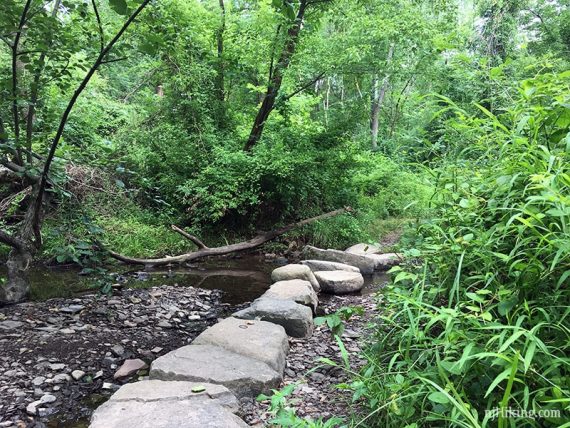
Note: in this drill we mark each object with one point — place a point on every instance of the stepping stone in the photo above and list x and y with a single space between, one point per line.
364 263
364 249
158 404
244 376
320 265
386 261
261 340
297 320
340 282
296 290
294 271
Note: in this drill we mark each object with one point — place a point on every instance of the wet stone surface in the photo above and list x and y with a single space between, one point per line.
60 357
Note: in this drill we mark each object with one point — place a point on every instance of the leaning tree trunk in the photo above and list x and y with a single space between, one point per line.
276 79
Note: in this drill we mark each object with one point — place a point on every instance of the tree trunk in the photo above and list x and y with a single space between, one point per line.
276 78
25 247
378 94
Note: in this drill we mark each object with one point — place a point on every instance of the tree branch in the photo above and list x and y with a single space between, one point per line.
301 89
192 238
11 241
15 46
100 25
226 249
67 112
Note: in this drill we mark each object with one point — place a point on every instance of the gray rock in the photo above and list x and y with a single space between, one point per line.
261 340
244 376
164 414
72 309
340 282
364 249
118 350
37 381
364 263
386 261
129 367
77 374
294 271
56 366
158 390
296 290
32 408
297 320
61 378
320 265
10 325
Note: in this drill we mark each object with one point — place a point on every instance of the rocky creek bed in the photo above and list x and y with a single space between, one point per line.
317 395
65 352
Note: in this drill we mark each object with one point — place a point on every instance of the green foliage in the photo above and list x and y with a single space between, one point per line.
483 323
285 416
336 320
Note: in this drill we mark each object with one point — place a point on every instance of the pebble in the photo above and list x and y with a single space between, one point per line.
77 374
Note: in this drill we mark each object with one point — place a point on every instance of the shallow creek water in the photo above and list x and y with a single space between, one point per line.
241 279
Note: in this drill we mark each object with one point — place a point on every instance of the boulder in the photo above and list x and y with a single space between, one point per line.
297 320
386 261
244 376
320 265
364 263
340 282
154 403
364 249
261 340
294 271
296 290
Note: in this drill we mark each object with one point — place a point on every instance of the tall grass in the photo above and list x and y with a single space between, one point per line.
478 335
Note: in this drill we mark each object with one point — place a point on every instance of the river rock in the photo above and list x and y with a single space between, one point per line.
296 319
364 249
154 403
320 265
244 376
295 271
296 290
129 367
261 340
340 282
386 261
10 325
364 263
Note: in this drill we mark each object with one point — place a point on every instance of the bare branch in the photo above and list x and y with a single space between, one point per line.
67 112
100 25
192 238
11 241
302 88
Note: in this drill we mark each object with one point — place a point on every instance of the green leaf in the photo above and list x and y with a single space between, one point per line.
119 6
438 397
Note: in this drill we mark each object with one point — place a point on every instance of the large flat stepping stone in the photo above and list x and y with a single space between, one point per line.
364 249
340 282
242 375
296 290
296 319
386 261
261 340
320 265
295 271
158 404
365 264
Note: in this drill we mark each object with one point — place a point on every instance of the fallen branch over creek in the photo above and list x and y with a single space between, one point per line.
204 251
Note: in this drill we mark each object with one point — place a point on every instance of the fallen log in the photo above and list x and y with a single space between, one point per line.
204 251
